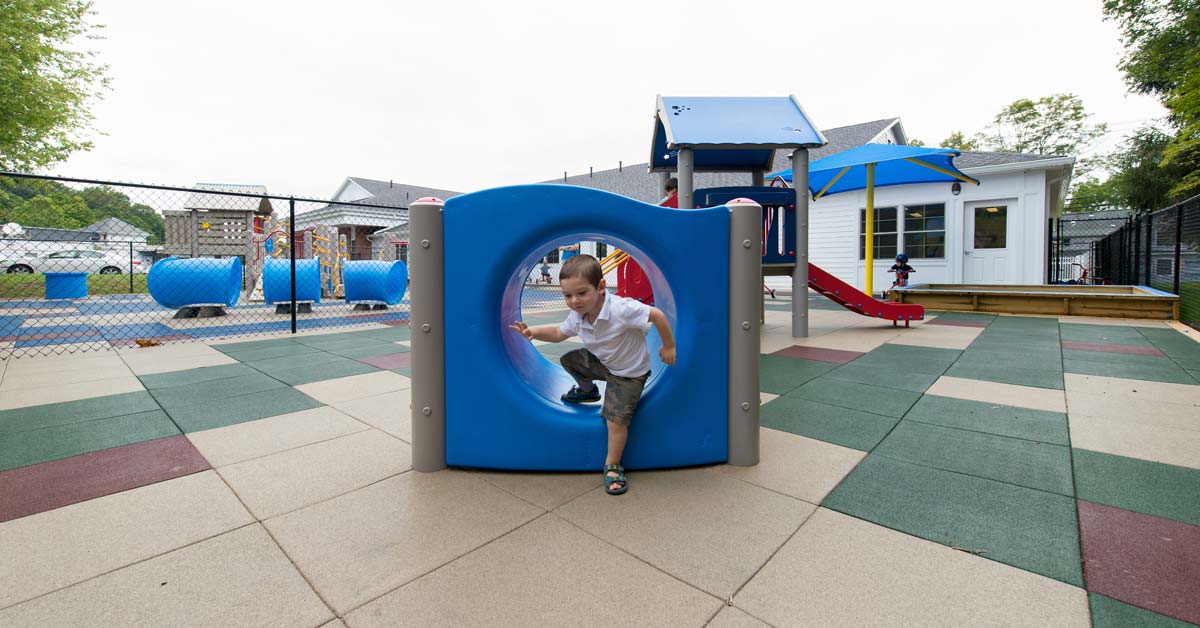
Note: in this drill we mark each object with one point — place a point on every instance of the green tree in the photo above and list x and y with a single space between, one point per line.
1051 125
46 86
1162 59
958 141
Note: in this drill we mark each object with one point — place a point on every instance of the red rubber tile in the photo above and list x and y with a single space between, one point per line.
37 488
835 356
390 361
1146 561
1128 349
403 323
938 321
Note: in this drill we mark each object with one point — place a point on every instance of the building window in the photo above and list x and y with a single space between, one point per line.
925 230
601 250
552 257
885 233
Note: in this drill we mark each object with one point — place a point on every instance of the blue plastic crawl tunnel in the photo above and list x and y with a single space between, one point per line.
277 285
177 282
373 281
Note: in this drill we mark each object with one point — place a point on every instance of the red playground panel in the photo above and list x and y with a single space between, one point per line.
860 302
633 283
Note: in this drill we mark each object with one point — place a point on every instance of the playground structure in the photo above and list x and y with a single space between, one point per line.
513 418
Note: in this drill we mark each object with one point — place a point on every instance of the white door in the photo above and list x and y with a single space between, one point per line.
985 244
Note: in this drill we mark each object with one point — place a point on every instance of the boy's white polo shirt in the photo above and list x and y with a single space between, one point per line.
618 337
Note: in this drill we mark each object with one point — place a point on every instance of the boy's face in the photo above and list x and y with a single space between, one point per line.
582 296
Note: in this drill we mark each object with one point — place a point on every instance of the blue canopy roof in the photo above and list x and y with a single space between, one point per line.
895 165
730 134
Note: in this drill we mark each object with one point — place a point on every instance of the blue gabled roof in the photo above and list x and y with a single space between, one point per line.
729 134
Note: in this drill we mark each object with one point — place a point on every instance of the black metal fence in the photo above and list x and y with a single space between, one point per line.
1159 249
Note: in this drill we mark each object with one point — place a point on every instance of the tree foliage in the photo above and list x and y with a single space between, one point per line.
46 86
958 141
1162 59
40 203
1051 125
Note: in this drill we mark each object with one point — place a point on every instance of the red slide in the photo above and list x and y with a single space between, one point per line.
858 301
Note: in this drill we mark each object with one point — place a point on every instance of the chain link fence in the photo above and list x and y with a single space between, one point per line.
119 264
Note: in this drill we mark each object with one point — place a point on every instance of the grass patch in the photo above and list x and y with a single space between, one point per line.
33 286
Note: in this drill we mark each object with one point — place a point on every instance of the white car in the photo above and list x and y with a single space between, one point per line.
71 261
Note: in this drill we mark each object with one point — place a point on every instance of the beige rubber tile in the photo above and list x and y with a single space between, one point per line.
333 391
864 339
1187 332
1134 408
734 617
1132 389
1136 439
177 349
801 467
101 362
295 478
940 336
21 381
363 544
254 439
1000 394
26 397
337 623
390 412
841 571
57 548
187 356
544 490
766 397
548 573
237 579
700 525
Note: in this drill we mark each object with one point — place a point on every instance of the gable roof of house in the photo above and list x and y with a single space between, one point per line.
398 194
116 226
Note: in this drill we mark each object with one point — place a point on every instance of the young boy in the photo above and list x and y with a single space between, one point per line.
545 271
613 330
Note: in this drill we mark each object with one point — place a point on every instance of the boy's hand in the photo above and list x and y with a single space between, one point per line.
523 329
667 355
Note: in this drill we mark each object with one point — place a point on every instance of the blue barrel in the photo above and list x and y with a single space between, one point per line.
175 282
277 285
369 281
66 285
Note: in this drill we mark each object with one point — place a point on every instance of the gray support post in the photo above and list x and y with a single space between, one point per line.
687 189
195 233
800 272
663 177
426 319
756 178
745 281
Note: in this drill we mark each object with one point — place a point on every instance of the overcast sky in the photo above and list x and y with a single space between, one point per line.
468 95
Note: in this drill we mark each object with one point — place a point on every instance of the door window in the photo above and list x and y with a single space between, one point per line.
991 227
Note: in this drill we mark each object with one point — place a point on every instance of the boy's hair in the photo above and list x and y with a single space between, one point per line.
672 184
583 267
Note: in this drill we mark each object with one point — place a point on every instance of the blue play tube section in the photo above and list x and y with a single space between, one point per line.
176 282
277 284
373 281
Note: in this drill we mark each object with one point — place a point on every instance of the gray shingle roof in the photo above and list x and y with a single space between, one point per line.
116 226
398 194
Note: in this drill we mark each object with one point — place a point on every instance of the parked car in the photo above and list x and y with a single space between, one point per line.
71 261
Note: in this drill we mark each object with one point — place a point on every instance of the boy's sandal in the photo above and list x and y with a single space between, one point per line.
619 479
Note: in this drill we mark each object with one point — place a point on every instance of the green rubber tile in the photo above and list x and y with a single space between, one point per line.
1032 355
1027 322
1035 425
862 397
51 414
195 376
254 345
265 353
1167 372
779 375
232 410
1195 374
336 341
402 332
1105 357
1010 360
1035 339
1152 488
840 426
969 317
313 358
881 376
1191 363
1028 529
1042 349
342 367
404 370
558 348
1110 613
906 359
1171 342
1009 375
1101 334
203 392
63 441
372 351
1017 461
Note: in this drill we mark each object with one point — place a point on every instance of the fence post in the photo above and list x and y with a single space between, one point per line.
1149 245
1178 243
1050 250
292 254
131 267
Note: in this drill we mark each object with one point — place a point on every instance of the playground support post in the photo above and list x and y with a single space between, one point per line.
800 272
869 232
292 256
427 321
687 189
745 278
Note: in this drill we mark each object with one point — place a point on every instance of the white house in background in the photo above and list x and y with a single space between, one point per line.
117 230
993 233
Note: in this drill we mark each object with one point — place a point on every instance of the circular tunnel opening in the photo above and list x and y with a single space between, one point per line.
539 368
